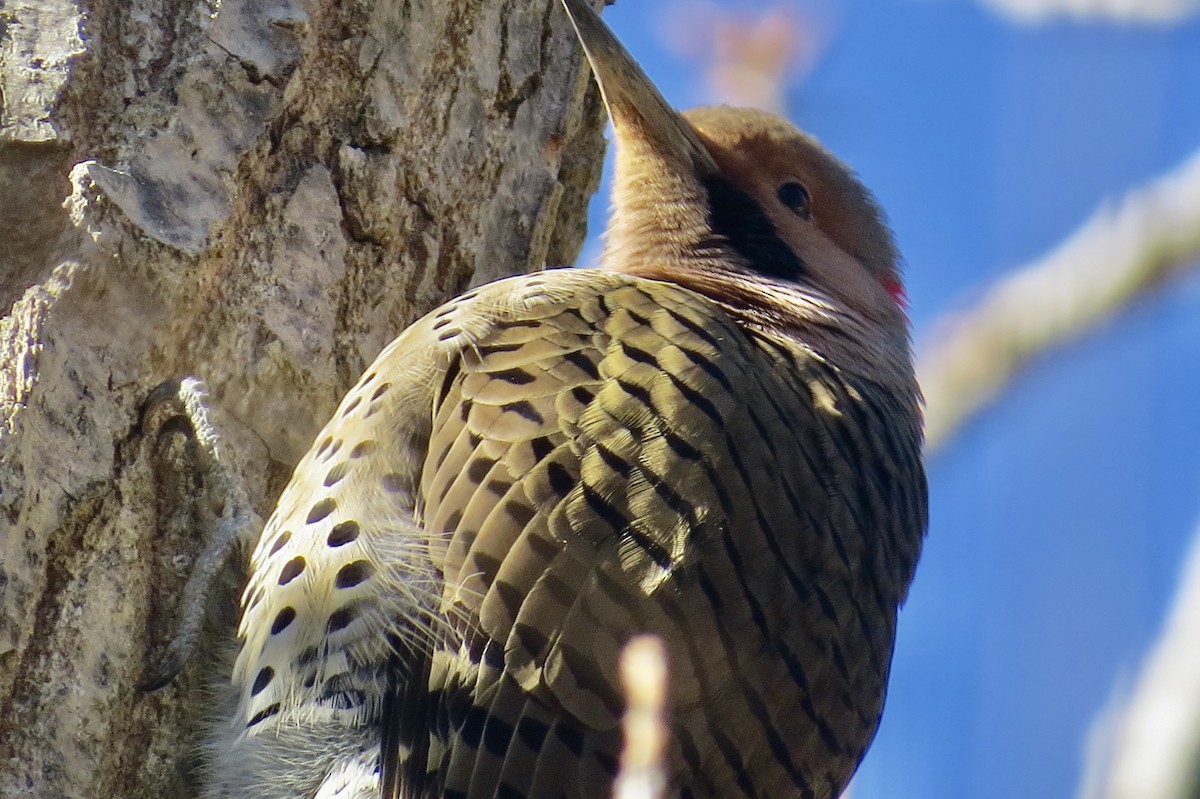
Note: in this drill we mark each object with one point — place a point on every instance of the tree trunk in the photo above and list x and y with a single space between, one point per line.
260 193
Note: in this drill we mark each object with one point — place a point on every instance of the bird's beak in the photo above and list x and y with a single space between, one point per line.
635 106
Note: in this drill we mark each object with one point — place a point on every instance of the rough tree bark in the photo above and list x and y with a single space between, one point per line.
260 193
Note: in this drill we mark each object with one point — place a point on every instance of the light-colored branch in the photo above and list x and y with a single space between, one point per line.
644 678
1154 12
1149 744
1121 252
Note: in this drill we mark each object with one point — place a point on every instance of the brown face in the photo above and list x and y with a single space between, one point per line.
816 206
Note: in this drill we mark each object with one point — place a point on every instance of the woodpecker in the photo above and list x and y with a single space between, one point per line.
713 437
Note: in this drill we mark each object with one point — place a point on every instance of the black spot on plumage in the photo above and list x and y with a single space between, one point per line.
496 736
491 349
291 570
264 714
394 483
681 448
519 512
614 461
280 541
506 791
604 509
639 393
524 409
282 620
695 329
452 373
583 395
515 376
498 487
636 354
571 737
733 757
532 639
353 574
472 726
697 399
362 448
583 363
265 675
321 509
839 661
561 481
493 655
742 224
650 547
478 470
560 590
337 473
532 732
343 533
637 317
710 368
541 447
343 699
487 567
543 548
510 595
340 619
826 604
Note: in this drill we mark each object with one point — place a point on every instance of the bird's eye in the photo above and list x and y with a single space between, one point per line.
795 196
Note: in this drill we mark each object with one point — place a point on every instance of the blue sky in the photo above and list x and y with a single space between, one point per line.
1061 516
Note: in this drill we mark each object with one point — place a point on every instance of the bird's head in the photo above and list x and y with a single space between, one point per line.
739 204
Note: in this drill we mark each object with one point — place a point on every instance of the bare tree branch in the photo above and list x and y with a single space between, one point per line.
644 677
1149 743
1157 12
1119 254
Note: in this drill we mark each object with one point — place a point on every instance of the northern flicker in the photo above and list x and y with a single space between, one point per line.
713 437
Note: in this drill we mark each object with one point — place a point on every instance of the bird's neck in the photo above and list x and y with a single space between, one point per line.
793 314
661 228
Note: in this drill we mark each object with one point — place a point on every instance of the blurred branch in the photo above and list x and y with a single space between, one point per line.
644 678
1119 254
750 57
1149 745
1033 12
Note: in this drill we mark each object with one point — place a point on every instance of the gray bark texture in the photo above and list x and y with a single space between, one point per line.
259 193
